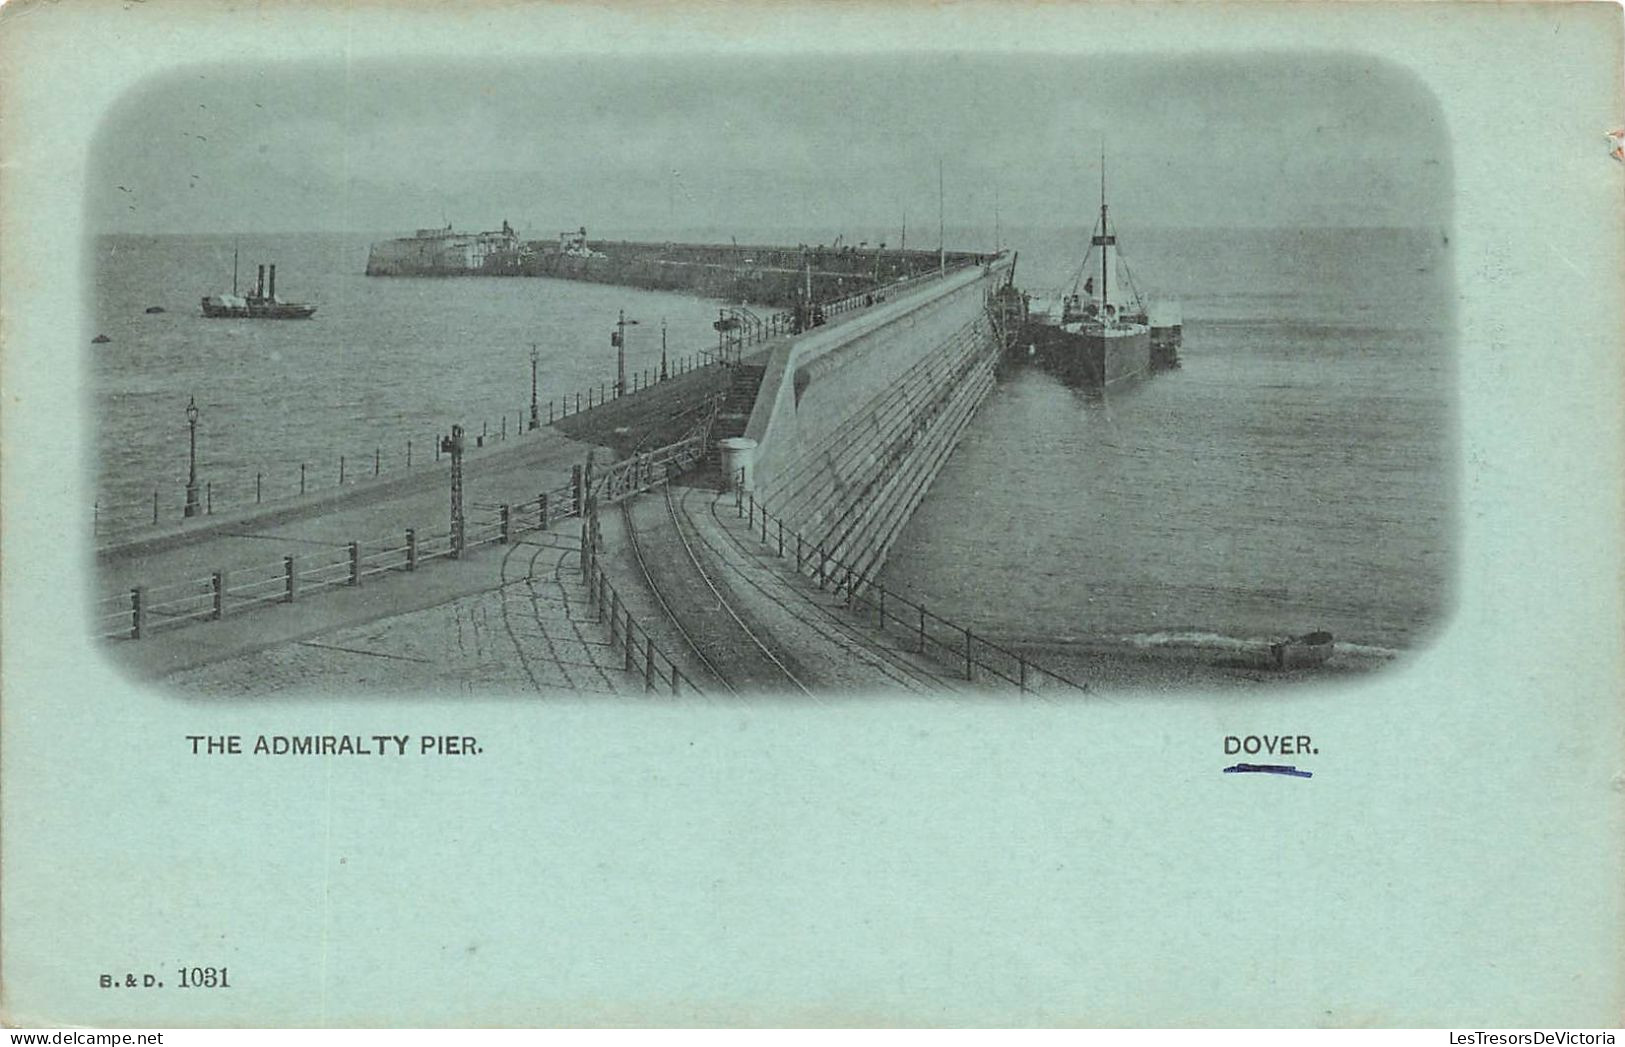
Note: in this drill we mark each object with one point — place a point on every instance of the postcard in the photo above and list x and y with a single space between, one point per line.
806 515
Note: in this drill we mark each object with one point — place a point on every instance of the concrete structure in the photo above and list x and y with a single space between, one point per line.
852 422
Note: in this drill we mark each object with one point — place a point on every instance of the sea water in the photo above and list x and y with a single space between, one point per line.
384 361
1296 473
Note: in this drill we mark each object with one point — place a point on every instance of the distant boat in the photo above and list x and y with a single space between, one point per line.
1302 652
263 304
154 309
100 339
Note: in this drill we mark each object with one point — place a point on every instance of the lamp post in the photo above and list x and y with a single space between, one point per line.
534 414
618 339
191 458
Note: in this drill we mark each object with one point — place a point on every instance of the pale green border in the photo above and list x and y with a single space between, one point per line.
1455 860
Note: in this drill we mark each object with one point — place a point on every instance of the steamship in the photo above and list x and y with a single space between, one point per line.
1099 333
263 304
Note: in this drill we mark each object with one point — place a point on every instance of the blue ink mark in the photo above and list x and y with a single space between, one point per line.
1267 768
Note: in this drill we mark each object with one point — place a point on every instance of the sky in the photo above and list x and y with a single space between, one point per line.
813 145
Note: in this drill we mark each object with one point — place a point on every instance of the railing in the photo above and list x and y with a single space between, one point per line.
143 610
660 671
114 522
928 633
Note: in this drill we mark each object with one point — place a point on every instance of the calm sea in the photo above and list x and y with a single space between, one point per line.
1297 473
1294 474
382 362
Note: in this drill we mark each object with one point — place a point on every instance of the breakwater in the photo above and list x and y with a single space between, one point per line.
775 276
851 425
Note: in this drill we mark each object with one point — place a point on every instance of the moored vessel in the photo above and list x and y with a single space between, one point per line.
1098 333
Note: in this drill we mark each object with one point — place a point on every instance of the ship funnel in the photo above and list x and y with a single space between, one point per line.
272 290
259 283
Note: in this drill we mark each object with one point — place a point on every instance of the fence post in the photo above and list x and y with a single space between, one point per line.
751 523
648 664
798 554
506 526
764 526
922 630
969 672
341 470
882 602
409 454
256 488
575 489
504 427
820 567
138 613
781 539
301 477
626 642
676 680
218 584
155 505
208 494
550 412
411 549
541 511
377 459
355 563
849 587
1022 660
614 615
578 401
601 584
290 578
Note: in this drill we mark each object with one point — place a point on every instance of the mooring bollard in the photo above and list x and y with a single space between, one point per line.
218 584
290 579
411 549
137 613
355 563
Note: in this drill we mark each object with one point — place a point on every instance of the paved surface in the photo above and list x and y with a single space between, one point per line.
531 631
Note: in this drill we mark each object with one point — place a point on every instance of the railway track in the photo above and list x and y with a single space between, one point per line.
709 625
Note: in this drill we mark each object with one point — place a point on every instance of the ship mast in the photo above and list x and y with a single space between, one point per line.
1105 233
1105 239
